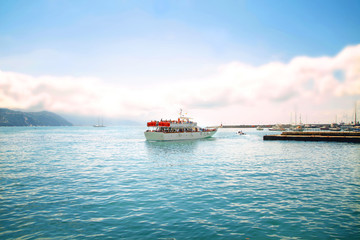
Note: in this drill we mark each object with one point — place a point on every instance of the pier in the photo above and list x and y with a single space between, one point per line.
317 136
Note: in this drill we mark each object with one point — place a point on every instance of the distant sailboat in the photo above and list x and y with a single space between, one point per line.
100 124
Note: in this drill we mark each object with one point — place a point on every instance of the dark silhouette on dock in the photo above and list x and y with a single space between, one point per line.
317 136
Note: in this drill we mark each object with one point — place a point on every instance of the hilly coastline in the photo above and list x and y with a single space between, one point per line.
10 118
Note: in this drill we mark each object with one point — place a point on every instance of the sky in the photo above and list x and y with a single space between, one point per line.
230 62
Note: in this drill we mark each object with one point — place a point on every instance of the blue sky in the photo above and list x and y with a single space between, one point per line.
201 32
134 43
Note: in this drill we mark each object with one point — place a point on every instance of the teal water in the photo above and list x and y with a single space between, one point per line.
102 183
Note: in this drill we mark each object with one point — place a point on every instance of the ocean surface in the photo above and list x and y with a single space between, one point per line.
109 183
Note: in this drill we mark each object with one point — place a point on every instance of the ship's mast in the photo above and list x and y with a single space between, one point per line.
355 114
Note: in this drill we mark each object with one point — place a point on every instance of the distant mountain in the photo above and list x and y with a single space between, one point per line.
16 118
79 120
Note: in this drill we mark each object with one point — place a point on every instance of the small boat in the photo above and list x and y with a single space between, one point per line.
241 133
181 129
324 128
99 124
277 127
334 127
259 128
297 128
356 128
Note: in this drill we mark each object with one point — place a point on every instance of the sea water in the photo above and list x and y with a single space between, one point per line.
102 183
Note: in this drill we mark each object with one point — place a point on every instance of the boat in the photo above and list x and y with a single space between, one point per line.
99 124
356 129
277 127
296 128
181 129
241 133
334 127
259 128
324 128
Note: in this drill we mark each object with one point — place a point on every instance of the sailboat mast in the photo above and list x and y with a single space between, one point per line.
355 114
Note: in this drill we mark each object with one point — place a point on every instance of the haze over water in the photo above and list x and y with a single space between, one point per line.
85 182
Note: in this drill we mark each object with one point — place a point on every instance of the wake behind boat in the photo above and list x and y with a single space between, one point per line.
182 129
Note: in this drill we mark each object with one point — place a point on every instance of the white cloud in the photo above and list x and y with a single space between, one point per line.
238 93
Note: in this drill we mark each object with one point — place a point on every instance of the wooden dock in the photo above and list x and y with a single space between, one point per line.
317 136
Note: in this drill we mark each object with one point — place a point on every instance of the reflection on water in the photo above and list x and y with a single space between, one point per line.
169 147
171 153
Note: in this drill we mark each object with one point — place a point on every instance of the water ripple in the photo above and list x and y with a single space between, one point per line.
79 182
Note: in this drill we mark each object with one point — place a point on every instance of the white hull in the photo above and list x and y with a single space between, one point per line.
161 136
